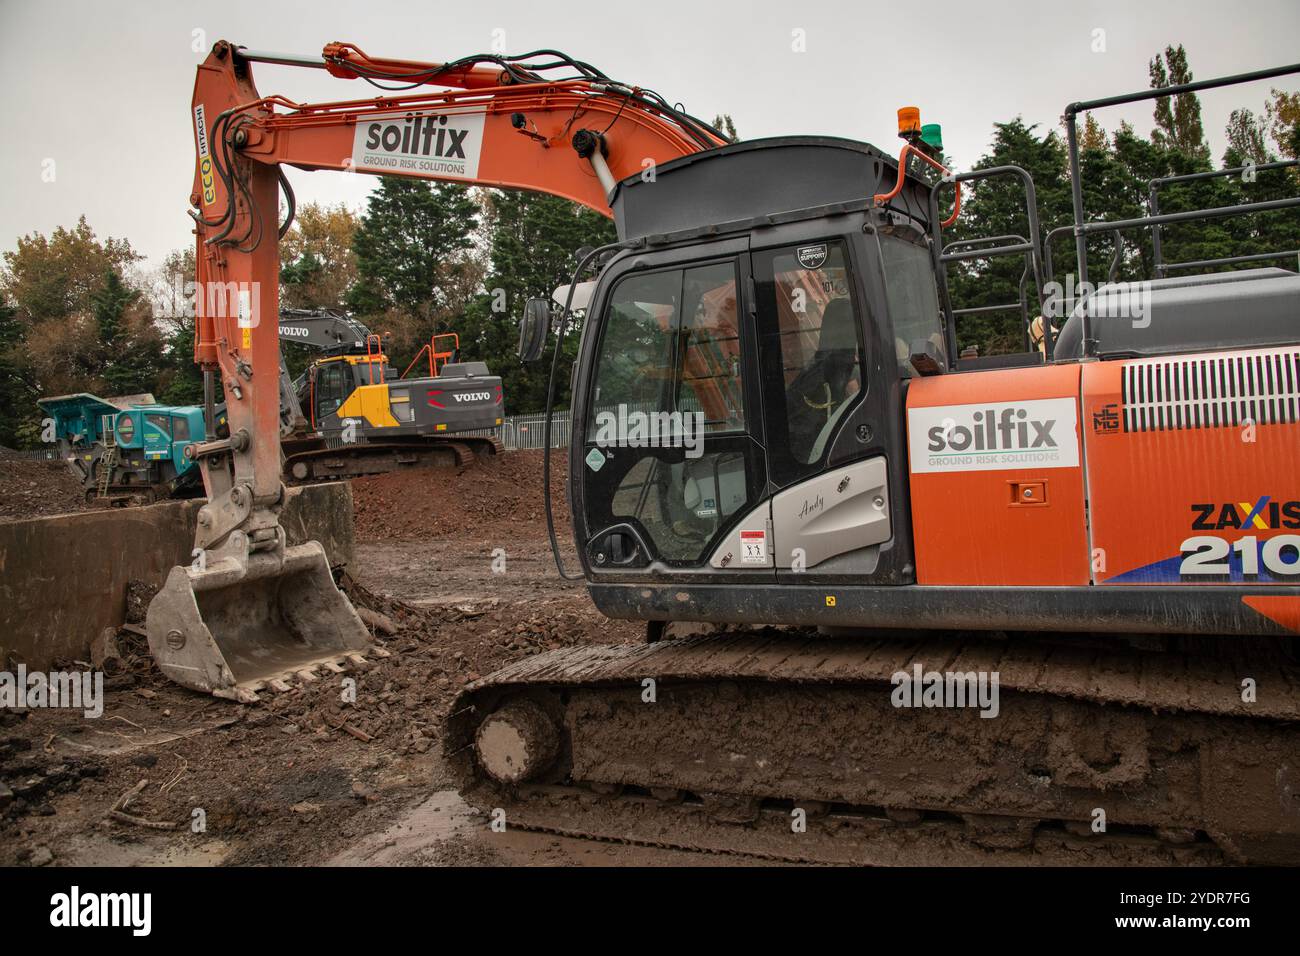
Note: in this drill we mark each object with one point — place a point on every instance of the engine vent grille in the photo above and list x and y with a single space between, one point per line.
1212 391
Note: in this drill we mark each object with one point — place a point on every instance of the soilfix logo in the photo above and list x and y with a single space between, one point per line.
432 144
987 437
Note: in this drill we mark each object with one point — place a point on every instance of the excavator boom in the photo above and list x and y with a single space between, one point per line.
250 611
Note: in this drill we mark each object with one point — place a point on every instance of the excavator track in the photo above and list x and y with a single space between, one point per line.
790 747
330 462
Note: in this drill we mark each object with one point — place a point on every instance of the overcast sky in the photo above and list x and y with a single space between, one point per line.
102 87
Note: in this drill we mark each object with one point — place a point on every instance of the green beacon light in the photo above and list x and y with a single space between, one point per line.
932 136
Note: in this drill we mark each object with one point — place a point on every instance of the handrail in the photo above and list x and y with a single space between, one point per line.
1031 247
431 348
423 348
1232 260
1072 112
434 354
1153 191
372 356
1217 212
881 199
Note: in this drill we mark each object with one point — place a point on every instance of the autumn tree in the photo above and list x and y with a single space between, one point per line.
417 259
1178 118
53 343
317 264
55 276
532 240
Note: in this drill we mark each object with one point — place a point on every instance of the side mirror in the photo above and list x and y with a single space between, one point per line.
533 329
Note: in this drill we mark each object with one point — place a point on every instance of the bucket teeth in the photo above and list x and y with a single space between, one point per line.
248 692
242 695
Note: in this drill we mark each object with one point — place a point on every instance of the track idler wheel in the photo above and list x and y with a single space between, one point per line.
517 743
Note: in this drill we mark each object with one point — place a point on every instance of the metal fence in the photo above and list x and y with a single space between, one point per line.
521 432
528 431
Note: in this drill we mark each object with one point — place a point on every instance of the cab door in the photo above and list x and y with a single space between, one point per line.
667 460
328 390
827 405
156 437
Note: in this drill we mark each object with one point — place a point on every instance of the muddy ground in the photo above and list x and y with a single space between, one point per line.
33 489
302 777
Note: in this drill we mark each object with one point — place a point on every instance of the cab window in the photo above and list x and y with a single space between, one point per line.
672 344
669 451
913 298
329 388
811 352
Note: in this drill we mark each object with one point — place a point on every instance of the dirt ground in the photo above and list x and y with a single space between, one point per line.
302 777
32 489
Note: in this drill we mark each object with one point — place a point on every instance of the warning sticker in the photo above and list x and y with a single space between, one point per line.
753 547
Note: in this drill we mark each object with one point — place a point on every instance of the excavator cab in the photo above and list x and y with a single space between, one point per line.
739 399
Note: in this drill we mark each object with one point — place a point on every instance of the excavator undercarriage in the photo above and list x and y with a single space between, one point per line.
1095 751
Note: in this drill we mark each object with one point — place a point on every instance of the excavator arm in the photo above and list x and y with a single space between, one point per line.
322 329
251 611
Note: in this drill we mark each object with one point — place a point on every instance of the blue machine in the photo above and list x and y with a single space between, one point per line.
127 448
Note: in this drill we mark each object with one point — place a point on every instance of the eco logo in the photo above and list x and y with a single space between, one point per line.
205 159
431 144
988 437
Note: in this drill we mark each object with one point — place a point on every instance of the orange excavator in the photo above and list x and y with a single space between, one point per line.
1041 605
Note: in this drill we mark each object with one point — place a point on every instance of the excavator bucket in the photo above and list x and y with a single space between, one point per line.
232 629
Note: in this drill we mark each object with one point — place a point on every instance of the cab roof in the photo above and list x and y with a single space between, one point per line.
761 181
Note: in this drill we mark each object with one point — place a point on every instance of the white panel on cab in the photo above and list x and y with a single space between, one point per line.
842 510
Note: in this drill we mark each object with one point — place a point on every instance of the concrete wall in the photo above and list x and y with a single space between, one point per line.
63 579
